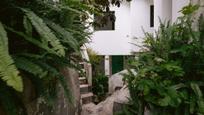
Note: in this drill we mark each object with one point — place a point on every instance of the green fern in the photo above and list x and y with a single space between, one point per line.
54 72
32 40
38 49
29 66
8 71
28 26
47 37
199 96
66 37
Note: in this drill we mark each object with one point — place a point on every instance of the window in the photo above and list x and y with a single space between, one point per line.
105 22
151 15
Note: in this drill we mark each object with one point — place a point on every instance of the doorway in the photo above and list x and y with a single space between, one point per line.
117 64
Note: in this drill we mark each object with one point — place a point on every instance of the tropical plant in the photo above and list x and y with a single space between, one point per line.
100 81
38 38
96 62
170 71
100 87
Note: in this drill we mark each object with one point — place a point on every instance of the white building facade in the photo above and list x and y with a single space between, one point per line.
132 19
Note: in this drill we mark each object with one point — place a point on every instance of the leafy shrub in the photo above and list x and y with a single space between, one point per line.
100 87
170 71
96 62
100 81
95 59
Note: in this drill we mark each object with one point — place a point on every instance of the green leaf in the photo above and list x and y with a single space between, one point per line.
46 34
29 66
61 78
28 26
199 97
192 103
164 101
189 9
175 98
8 71
32 40
66 37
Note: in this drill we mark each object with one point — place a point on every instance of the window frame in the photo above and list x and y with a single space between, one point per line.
106 27
151 15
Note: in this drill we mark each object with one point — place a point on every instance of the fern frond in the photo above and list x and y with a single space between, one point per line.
199 96
66 37
27 25
32 40
67 92
61 79
31 55
43 30
66 7
29 66
8 71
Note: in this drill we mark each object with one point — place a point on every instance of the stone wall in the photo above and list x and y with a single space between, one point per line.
61 107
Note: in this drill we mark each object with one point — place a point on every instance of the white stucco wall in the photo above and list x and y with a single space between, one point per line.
177 5
168 10
140 21
114 42
131 18
163 12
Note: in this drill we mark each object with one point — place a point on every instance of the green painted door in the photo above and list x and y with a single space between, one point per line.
117 64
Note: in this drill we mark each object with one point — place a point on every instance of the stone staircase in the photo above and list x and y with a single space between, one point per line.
86 78
85 91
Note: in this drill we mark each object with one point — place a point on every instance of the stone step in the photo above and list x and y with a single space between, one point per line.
84 88
82 73
86 98
83 70
81 63
82 80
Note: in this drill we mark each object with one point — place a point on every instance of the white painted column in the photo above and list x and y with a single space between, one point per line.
107 65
